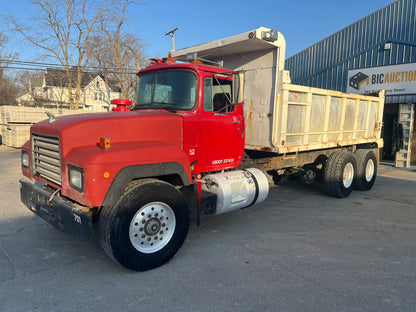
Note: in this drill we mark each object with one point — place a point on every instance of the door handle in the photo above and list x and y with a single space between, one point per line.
236 122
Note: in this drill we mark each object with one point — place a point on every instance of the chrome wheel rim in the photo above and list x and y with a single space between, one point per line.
348 175
152 227
369 170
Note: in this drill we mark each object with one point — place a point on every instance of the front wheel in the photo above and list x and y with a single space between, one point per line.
366 169
146 227
339 174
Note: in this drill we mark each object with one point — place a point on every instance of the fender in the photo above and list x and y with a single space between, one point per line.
130 173
101 167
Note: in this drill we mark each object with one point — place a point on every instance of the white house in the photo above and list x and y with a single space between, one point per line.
52 91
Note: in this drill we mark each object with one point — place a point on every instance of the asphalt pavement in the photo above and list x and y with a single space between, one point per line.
300 250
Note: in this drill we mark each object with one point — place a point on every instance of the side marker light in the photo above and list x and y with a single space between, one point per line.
105 143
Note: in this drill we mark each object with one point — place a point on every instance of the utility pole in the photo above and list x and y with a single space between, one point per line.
172 34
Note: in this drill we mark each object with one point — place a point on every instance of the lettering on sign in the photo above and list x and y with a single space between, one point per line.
395 79
223 161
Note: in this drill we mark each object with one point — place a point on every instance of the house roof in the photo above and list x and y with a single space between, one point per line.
58 78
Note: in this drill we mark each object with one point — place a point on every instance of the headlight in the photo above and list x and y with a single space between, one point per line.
25 159
76 178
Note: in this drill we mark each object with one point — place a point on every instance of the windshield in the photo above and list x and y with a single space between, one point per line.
167 89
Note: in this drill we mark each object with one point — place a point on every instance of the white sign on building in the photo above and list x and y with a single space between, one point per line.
395 79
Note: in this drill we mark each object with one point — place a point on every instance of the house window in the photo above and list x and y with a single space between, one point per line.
98 84
99 96
51 94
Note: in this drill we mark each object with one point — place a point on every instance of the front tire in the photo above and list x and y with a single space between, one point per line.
339 174
366 169
146 227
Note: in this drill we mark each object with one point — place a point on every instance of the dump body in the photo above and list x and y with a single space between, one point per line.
309 118
282 117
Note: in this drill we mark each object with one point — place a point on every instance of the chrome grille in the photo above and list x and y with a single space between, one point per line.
47 157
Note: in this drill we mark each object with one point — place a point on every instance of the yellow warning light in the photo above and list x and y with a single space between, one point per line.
105 143
283 142
106 175
251 35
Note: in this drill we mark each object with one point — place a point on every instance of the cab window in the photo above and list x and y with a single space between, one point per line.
217 95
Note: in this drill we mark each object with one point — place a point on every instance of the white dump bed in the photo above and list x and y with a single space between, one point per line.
309 118
282 117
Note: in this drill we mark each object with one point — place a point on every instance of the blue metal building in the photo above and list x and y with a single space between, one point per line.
376 52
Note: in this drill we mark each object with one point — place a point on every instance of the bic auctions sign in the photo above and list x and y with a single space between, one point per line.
395 79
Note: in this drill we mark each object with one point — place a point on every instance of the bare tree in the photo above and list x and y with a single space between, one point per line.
5 58
9 90
63 29
117 54
24 78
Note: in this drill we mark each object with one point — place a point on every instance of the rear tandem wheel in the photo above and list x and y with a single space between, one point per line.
339 174
366 169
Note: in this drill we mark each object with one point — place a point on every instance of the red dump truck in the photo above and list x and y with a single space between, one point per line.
210 127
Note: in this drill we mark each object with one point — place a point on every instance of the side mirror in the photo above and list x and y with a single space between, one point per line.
238 87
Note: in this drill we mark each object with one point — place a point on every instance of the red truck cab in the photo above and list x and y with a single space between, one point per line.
183 114
134 176
213 127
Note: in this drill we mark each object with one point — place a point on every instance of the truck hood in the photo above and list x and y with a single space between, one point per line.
83 130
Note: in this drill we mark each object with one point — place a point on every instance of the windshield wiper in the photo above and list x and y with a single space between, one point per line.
142 106
157 105
169 106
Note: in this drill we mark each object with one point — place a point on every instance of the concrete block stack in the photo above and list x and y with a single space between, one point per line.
15 122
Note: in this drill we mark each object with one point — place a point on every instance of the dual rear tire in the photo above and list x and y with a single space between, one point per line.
366 169
346 171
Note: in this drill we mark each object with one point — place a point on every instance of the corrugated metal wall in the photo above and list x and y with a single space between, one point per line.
326 64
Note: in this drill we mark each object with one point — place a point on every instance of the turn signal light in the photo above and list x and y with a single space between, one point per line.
105 143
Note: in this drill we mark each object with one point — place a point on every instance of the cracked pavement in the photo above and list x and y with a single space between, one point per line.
298 251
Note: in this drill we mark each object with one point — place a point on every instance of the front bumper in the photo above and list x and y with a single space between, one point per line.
58 212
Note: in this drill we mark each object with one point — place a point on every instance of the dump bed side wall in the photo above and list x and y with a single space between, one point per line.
307 118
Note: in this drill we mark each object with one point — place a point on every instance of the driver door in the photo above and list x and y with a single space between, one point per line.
222 126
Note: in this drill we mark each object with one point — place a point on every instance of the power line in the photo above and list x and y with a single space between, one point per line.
39 66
